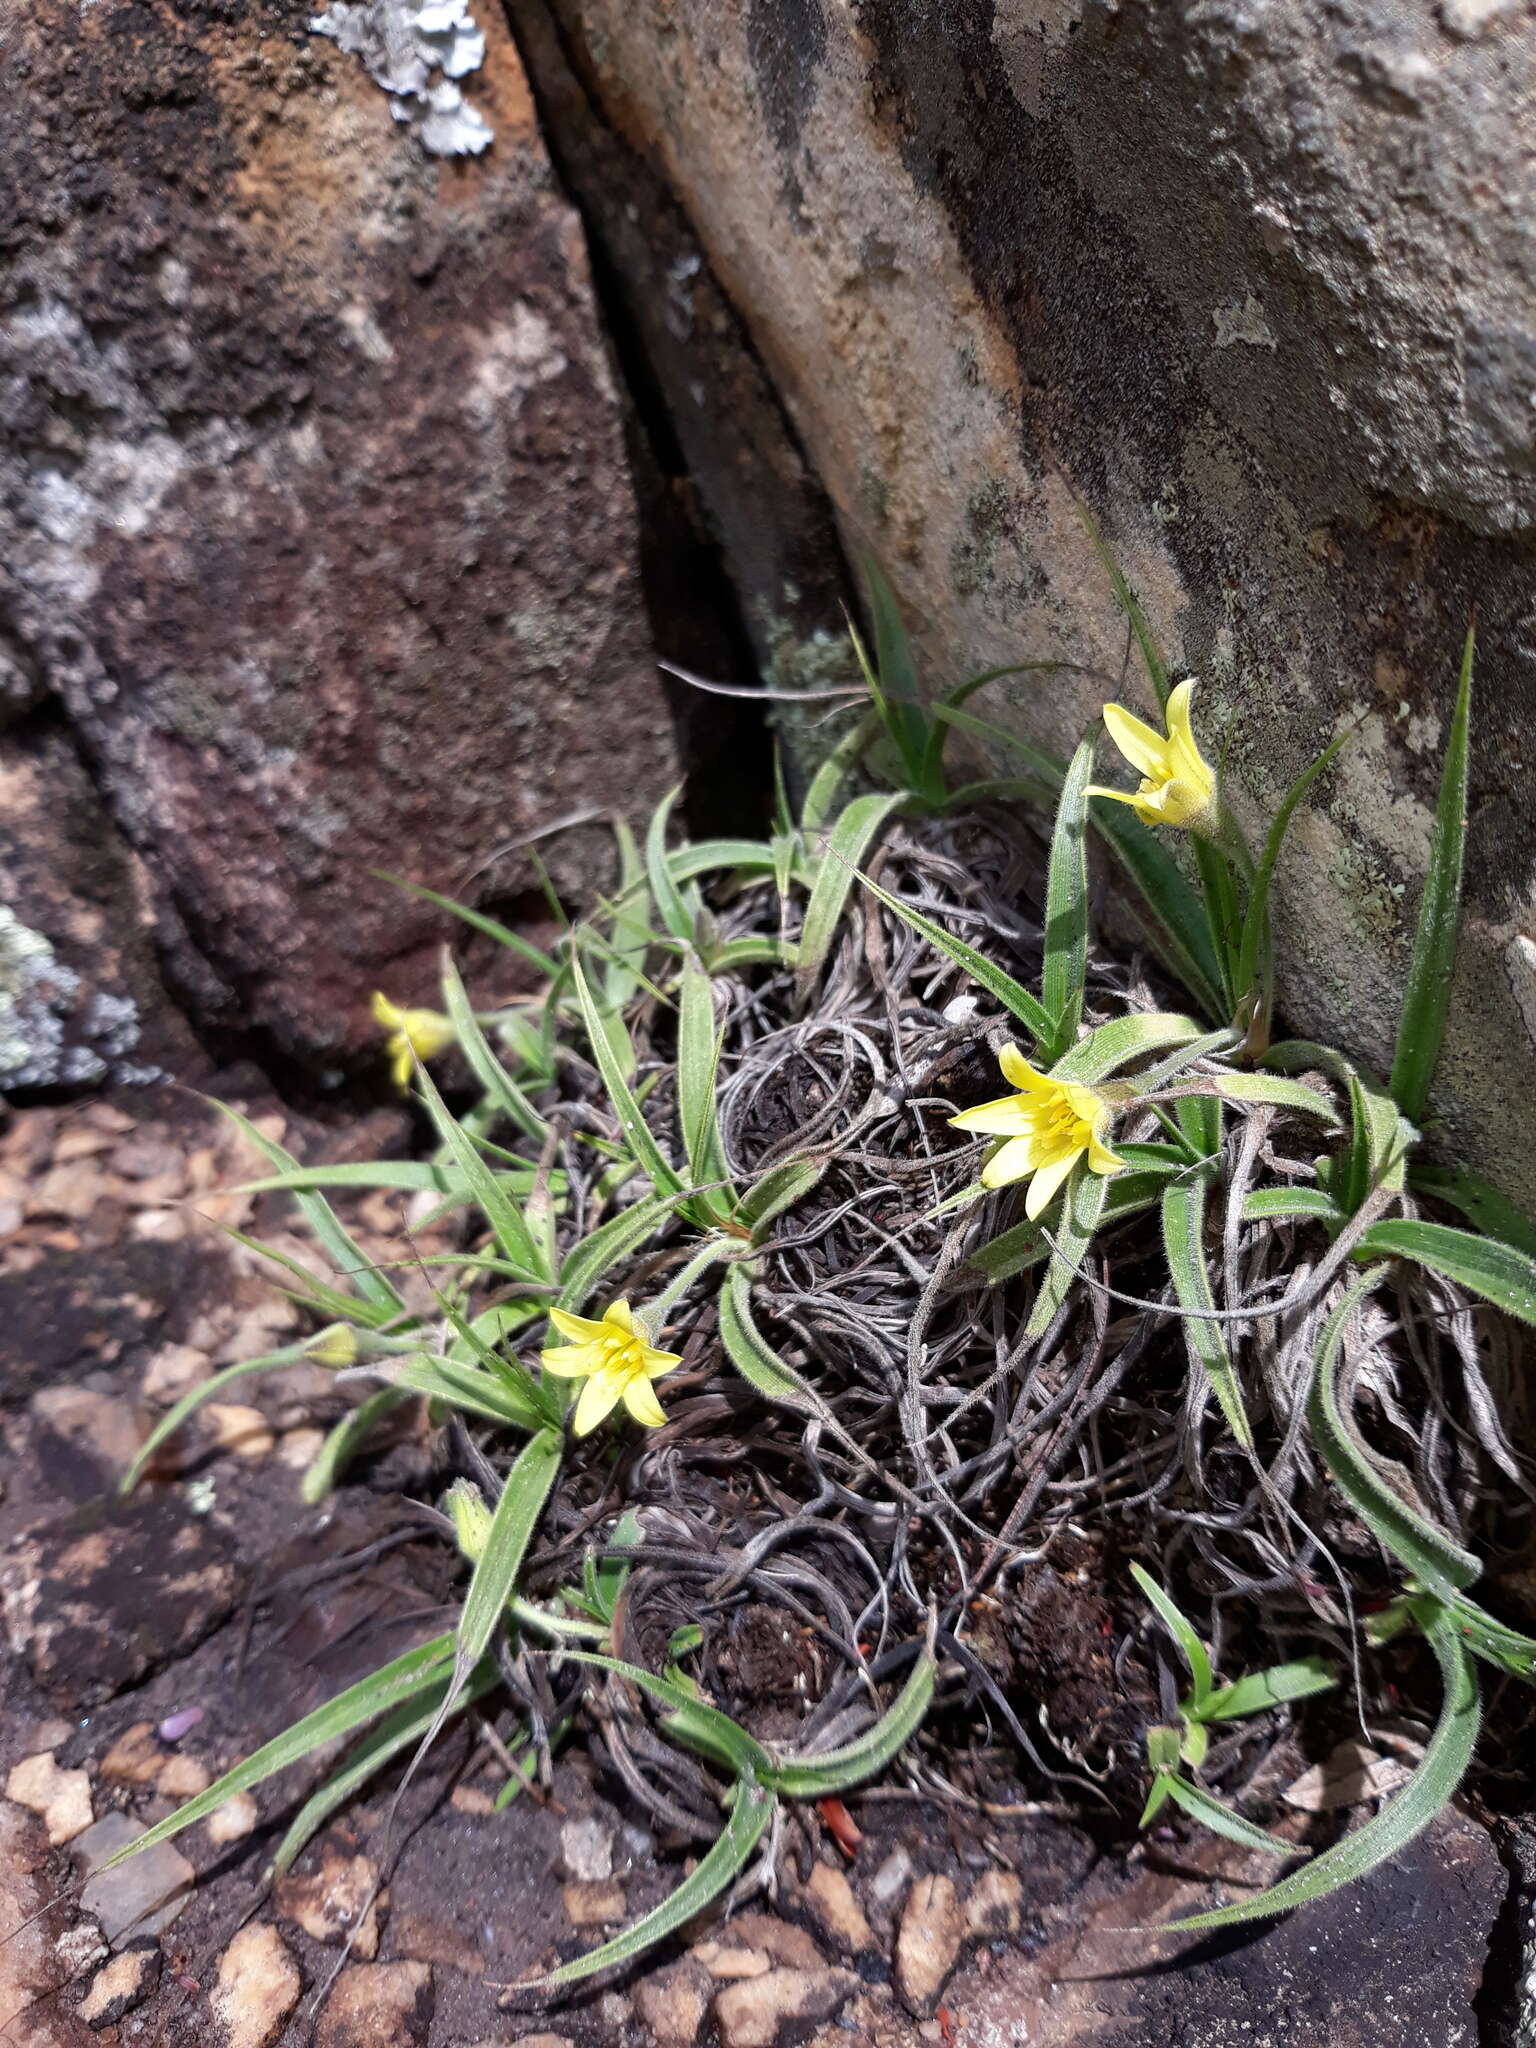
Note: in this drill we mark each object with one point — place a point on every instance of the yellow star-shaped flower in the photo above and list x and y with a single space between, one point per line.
1049 1126
1178 786
617 1362
413 1035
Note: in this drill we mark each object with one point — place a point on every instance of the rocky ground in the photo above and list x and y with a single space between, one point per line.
156 1640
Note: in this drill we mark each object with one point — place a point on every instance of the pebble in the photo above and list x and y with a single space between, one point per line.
471 1799
145 1894
673 2002
61 1799
754 2013
257 1987
933 1929
586 1847
593 1905
236 1818
379 2005
244 1431
334 1900
173 1372
890 1880
727 1961
126 1982
136 1757
830 1901
791 1946
183 1777
299 1448
52 1734
996 1904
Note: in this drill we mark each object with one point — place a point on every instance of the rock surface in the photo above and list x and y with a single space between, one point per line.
378 2003
140 1896
928 1942
313 507
1251 281
756 2011
257 1987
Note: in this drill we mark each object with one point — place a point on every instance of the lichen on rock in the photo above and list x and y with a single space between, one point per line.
405 45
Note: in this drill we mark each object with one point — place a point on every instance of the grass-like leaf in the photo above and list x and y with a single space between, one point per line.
1480 1202
898 698
478 921
1279 1686
1202 1678
172 1420
609 1246
1497 1272
1064 968
818 1777
514 1239
694 1721
836 867
1114 1045
670 903
494 1578
827 782
1184 1242
1421 1027
1282 1205
1211 1813
1254 960
1014 997
664 1177
698 1064
501 1091
1130 605
343 1443
1082 1211
757 1361
778 1189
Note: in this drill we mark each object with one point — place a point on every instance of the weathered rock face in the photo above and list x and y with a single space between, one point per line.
313 502
1252 280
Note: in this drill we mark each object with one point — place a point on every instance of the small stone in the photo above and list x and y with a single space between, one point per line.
126 1982
728 1961
379 2005
257 1987
672 2003
299 1448
52 1734
587 1849
140 1896
471 1799
1472 18
996 1904
80 1947
593 1905
232 1821
61 1798
183 1777
928 1944
754 2013
890 1880
426 1940
136 1757
173 1372
791 1946
830 1901
333 1901
243 1431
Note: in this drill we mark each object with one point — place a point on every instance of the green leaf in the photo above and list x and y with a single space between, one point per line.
1015 999
1425 1551
1183 1633
1254 952
346 1255
778 1189
1022 1246
418 1672
706 856
835 1770
494 1578
757 1361
751 1809
1221 1820
693 1720
675 914
1065 966
172 1420
1261 1088
501 1091
1431 971
899 698
637 1133
816 811
1082 1210
837 866
1497 1272
344 1442
1184 1242
1116 1044
1277 1687
513 1237
502 934
469 1389
1130 605
609 1246
1480 1202
1426 1794
1275 1205
1379 1137
698 1064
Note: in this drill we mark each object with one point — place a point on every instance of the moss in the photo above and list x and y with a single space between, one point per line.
988 514
875 495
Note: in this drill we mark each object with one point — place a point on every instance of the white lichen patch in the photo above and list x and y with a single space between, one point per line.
417 50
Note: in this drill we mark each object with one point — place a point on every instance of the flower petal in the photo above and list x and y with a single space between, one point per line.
619 1317
1047 1181
1146 750
580 1329
389 1014
641 1401
1018 1070
402 1061
1010 1116
1118 796
1016 1159
1102 1160
598 1397
658 1363
572 1361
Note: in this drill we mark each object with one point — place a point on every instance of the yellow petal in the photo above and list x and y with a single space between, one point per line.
1119 796
598 1398
1146 750
580 1329
1102 1160
1008 1117
659 1363
1045 1183
573 1361
1018 1070
1016 1159
619 1317
402 1061
389 1014
641 1401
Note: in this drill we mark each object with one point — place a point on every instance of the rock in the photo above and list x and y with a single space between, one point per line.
336 1903
586 1847
829 1899
183 1777
672 2003
928 1942
257 1987
41 1945
727 1961
126 1982
995 1904
77 1313
753 2014
472 1799
960 237
593 1905
426 1939
135 1758
141 1896
775 1937
330 550
890 1880
173 1372
242 1430
62 1799
232 1821
98 1599
378 2005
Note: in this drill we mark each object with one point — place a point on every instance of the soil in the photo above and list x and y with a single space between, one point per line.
215 1596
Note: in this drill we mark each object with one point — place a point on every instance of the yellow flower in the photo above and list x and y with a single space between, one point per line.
615 1360
1049 1126
1178 786
413 1035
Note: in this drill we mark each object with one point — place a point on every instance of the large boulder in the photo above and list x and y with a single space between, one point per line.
1251 279
313 501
